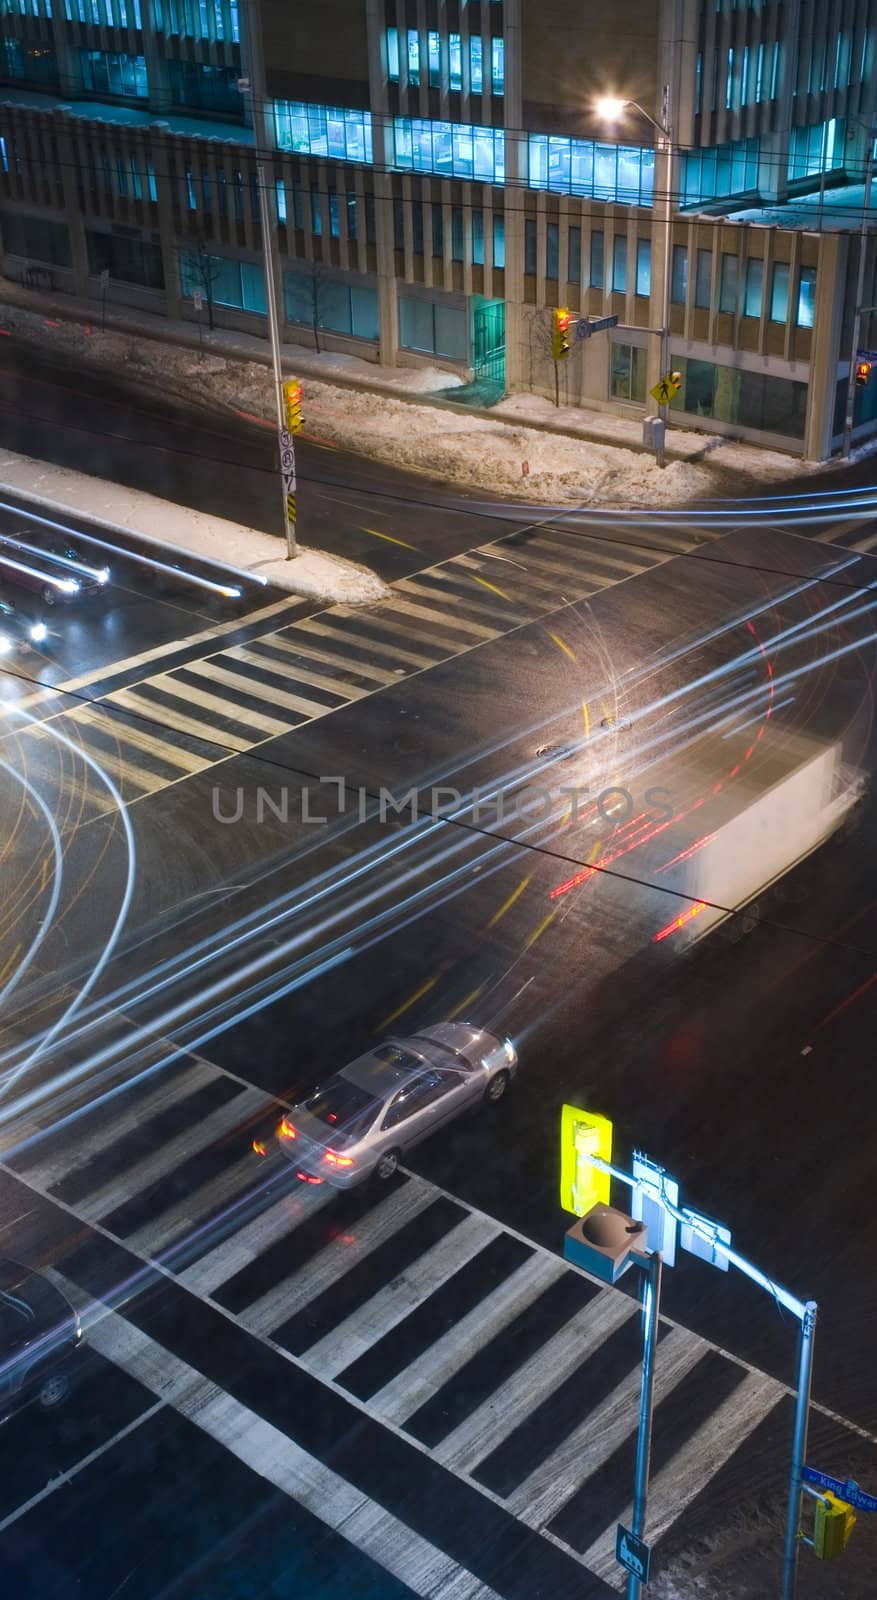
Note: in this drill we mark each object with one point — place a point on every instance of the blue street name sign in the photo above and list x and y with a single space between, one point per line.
588 325
845 1490
632 1553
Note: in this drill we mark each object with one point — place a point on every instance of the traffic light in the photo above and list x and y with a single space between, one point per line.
834 1523
583 1133
863 374
560 336
292 401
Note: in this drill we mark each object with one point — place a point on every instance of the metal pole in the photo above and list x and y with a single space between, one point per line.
857 311
269 245
799 1448
666 223
651 1309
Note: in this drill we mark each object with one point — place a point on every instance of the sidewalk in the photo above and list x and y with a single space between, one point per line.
171 530
523 448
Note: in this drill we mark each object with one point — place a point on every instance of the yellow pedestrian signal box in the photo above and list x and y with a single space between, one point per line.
834 1523
583 1133
292 405
560 335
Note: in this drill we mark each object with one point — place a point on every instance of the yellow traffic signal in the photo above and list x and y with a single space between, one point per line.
834 1523
583 1133
292 402
560 335
863 374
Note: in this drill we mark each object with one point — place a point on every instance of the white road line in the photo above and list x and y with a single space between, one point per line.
582 1453
549 1366
365 1326
62 1479
127 733
194 1209
134 1180
84 1143
379 647
284 1299
213 704
153 711
693 1466
294 672
418 1382
272 1455
297 646
453 624
260 689
250 1241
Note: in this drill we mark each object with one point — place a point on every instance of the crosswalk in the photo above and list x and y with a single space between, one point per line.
477 1352
172 724
852 535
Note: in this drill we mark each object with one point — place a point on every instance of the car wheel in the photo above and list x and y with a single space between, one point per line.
387 1165
48 596
54 1391
496 1088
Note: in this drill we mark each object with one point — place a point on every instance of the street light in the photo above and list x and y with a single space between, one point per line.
610 109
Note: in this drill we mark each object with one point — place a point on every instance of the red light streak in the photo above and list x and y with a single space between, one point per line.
680 921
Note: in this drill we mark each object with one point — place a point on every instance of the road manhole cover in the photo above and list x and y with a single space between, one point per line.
560 752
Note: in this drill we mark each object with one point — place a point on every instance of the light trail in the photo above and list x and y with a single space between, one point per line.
31 953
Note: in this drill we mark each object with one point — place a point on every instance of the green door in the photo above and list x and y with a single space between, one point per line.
488 342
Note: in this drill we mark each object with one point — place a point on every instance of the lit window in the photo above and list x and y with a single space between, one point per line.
775 71
779 293
497 65
728 284
759 74
452 149
643 267
476 69
552 250
744 77
806 296
455 58
434 59
280 192
499 242
323 130
393 54
574 256
413 56
698 84
729 81
597 259
619 263
679 277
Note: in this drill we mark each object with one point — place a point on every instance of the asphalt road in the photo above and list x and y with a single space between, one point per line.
406 1392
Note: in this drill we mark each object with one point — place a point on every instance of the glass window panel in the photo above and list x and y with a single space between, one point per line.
559 164
485 164
442 148
779 293
643 267
806 296
605 171
413 56
438 231
752 293
499 241
421 138
574 256
619 263
619 372
478 237
703 277
253 287
581 166
227 289
334 305
638 374
393 54
597 259
457 234
538 161
334 218
364 319
679 276
647 177
434 59
464 155
416 329
317 134
530 247
497 65
455 60
728 286
451 333
402 142
552 250
335 135
417 227
476 65
628 180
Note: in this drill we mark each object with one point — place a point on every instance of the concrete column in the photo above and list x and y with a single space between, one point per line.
169 253
825 351
156 69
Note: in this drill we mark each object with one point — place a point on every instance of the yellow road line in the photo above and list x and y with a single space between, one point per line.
464 1004
586 718
594 851
389 538
507 904
406 1006
10 962
44 872
561 646
538 932
492 586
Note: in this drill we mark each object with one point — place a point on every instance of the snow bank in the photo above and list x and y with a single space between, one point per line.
516 462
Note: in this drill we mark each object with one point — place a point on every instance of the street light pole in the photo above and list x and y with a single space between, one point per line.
662 209
858 307
651 1309
799 1448
269 262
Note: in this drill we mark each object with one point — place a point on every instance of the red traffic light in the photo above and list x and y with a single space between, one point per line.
863 373
563 321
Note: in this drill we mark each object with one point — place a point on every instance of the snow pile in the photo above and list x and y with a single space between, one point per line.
519 463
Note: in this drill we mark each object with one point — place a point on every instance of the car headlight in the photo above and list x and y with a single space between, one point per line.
68 585
509 1052
103 575
39 632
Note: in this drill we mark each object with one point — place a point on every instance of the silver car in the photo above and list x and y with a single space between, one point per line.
363 1120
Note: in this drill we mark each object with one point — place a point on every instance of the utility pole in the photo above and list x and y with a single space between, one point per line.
267 216
858 306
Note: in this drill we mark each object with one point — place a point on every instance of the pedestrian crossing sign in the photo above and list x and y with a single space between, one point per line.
665 388
583 1134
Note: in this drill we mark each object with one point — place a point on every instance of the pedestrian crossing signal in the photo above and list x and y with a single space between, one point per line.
834 1523
583 1133
863 374
292 405
560 336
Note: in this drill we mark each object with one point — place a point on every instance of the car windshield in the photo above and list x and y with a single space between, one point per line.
17 1321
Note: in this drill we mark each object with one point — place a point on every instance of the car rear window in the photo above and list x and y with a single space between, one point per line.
341 1102
395 1055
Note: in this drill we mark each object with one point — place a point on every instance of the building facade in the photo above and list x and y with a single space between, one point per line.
440 180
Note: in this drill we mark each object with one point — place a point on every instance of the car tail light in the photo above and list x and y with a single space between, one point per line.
335 1160
308 1177
286 1130
259 1147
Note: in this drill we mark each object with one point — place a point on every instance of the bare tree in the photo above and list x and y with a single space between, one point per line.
313 286
201 270
540 347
